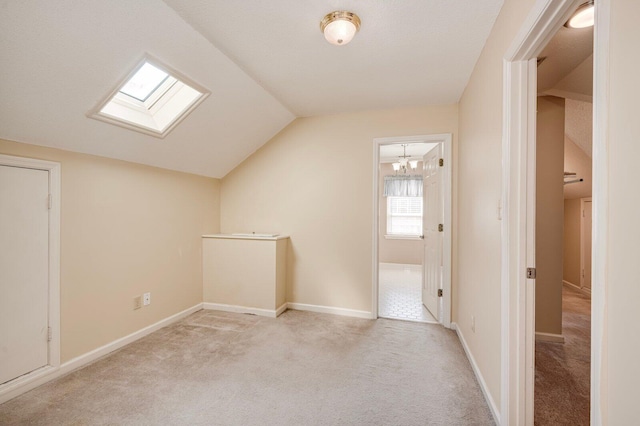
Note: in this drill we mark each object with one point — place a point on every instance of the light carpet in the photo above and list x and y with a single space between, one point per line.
303 368
563 371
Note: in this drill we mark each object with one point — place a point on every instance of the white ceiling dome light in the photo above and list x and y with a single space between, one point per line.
583 16
340 27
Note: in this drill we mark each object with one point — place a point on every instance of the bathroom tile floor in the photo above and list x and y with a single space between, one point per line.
400 293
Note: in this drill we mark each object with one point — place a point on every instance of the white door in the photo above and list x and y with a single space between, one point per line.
24 270
586 244
432 217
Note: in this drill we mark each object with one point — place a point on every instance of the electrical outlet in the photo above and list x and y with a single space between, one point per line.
473 323
146 299
137 302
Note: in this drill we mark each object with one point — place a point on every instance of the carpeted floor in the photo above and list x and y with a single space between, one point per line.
562 383
216 368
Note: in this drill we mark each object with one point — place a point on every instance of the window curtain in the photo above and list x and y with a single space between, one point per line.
403 186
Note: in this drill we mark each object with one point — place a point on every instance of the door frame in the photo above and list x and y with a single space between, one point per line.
446 140
518 195
34 378
583 201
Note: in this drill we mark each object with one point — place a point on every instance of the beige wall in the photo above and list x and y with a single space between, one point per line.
125 229
575 160
621 341
479 190
549 213
571 242
313 181
395 250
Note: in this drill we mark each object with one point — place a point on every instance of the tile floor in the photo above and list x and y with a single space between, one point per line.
400 293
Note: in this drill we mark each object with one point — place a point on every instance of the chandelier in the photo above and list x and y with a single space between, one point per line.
404 162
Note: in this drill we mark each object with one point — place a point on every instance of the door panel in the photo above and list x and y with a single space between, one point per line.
433 213
24 270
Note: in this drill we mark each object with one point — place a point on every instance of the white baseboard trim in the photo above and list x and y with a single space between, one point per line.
271 313
281 309
549 337
330 310
39 377
577 287
483 385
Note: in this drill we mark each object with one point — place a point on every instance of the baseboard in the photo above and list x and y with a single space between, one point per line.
483 385
271 313
329 310
549 337
577 287
39 377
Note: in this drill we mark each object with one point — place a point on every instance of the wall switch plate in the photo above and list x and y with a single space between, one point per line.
137 302
473 323
146 299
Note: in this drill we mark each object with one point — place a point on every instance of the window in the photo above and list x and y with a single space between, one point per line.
153 99
404 216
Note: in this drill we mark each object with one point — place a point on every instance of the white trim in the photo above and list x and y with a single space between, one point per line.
474 366
446 140
543 21
330 310
549 337
53 170
583 201
97 114
600 218
271 313
19 386
518 195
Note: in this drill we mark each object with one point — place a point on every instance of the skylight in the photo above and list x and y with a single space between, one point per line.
144 82
153 99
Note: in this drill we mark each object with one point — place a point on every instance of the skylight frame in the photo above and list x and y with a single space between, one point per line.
154 102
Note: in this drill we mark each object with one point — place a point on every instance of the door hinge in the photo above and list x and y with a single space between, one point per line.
439 292
531 273
49 334
440 227
441 162
49 201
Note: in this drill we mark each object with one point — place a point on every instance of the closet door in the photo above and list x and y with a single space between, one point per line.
24 270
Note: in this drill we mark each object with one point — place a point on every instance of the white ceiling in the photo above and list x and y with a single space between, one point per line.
578 124
407 53
567 70
264 62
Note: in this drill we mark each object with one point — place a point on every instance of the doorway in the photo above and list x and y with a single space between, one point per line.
401 277
519 195
29 274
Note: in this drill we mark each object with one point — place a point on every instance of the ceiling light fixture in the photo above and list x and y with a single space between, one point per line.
403 161
583 17
340 26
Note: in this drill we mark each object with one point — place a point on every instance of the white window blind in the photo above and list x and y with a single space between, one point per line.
404 216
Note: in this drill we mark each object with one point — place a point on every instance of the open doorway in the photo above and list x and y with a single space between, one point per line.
563 186
412 229
520 237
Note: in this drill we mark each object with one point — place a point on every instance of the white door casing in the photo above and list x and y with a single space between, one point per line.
518 200
47 174
24 271
446 140
432 218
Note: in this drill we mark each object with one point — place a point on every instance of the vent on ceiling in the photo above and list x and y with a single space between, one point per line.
152 99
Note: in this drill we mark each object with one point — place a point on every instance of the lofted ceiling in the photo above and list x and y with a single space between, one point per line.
264 63
566 70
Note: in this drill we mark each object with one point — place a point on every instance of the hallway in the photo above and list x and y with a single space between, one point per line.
562 383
